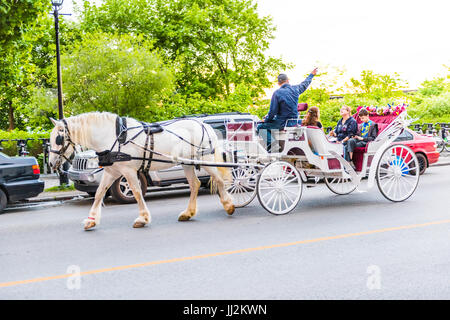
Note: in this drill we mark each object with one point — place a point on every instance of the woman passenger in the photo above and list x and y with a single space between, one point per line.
312 118
345 129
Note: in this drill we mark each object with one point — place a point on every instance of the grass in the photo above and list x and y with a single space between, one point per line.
63 187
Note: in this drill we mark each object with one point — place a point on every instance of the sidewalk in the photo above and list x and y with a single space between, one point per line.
444 160
52 180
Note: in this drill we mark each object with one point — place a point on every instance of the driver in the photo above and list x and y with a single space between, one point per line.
283 106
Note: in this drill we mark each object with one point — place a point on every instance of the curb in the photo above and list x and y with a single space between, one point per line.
441 164
59 198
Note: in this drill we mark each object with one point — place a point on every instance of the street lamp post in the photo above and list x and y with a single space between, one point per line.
63 179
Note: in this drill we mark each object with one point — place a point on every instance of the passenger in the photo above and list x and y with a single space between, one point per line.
283 106
312 118
368 131
346 128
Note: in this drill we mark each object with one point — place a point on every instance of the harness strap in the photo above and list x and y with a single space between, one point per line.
150 156
144 129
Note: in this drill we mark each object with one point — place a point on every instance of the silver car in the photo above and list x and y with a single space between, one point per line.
86 173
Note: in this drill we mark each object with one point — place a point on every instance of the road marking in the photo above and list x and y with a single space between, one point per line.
224 253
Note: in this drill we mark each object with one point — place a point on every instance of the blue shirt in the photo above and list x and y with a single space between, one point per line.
284 101
365 127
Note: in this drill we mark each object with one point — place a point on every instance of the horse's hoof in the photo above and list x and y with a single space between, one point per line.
138 224
183 217
230 210
89 225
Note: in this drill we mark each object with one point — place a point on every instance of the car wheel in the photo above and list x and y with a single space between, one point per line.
121 191
3 200
422 162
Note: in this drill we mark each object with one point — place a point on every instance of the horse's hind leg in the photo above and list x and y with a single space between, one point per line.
95 213
194 185
144 215
219 183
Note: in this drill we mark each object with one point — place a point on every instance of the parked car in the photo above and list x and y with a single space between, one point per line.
86 174
423 145
19 179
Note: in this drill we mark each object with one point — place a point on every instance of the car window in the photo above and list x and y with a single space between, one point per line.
219 127
243 120
405 135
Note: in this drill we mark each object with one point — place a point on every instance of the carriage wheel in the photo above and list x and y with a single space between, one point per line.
398 173
340 185
279 187
242 188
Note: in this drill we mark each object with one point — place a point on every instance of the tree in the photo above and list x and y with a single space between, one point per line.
377 86
18 16
19 23
120 74
214 45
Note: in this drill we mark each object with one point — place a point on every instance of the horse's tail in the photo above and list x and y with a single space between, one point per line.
225 173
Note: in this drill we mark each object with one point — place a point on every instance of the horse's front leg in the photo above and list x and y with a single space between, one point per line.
144 214
95 213
194 185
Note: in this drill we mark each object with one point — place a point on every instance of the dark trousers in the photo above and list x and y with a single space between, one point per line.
264 130
350 145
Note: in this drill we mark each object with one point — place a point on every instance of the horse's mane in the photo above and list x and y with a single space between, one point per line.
80 126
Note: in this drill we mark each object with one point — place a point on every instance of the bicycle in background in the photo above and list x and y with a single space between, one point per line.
22 146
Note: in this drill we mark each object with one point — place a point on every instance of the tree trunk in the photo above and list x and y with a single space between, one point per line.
11 116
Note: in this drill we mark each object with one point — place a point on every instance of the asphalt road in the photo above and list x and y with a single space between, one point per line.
358 246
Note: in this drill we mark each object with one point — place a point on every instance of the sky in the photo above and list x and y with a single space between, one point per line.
410 37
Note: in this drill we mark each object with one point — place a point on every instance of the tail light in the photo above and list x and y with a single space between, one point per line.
36 169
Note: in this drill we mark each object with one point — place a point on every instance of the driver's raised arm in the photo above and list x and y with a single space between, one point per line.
305 84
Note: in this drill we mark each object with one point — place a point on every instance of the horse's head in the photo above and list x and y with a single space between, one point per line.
61 146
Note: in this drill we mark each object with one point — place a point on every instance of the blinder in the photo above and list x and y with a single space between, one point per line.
59 140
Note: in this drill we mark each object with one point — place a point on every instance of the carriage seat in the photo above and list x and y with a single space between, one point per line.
240 131
381 127
319 142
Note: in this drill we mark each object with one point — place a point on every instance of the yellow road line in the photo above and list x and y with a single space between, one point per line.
224 253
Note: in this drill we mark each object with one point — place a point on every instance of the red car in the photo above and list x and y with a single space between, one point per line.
424 147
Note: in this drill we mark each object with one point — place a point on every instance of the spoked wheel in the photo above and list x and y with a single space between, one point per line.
340 185
242 188
398 173
279 187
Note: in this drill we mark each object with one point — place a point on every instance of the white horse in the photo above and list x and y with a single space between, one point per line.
97 131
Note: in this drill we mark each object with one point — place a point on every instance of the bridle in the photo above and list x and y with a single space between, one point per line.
61 141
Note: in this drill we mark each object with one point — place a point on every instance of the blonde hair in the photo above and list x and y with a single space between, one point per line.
349 109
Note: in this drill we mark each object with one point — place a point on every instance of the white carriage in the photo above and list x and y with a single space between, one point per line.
306 156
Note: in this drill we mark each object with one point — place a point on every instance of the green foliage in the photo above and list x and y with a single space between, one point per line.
213 45
121 74
377 86
20 26
433 87
63 187
16 17
432 109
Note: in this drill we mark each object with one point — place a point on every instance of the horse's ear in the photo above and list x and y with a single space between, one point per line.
55 122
